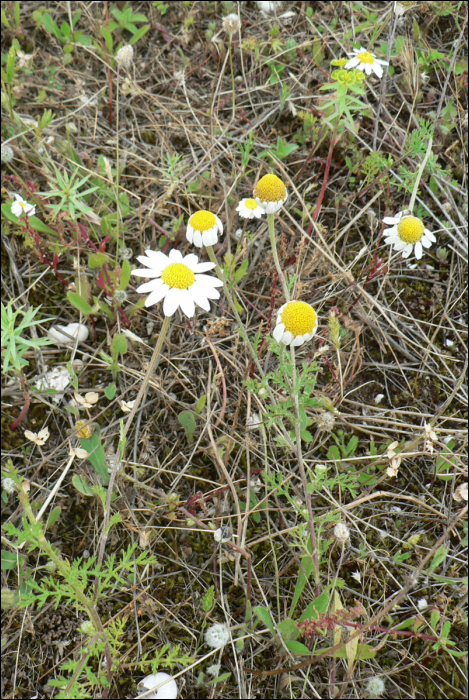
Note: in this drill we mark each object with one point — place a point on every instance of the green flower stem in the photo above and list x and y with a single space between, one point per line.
273 243
299 455
120 451
420 173
213 258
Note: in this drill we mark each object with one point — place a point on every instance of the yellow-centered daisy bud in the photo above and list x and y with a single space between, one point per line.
297 322
270 193
203 228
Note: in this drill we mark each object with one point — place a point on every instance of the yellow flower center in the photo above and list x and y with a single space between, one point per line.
270 188
365 57
202 220
299 318
250 204
178 275
84 431
410 229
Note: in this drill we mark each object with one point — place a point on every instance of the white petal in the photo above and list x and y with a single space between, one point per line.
150 286
425 242
431 237
208 280
377 70
296 342
186 303
203 267
418 250
197 239
220 225
367 68
352 63
190 234
400 245
175 255
192 261
391 219
16 209
171 301
140 272
200 297
157 258
278 332
209 237
156 296
407 250
392 239
287 337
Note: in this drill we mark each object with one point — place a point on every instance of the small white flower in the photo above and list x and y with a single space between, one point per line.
326 421
21 207
375 687
8 485
357 576
422 603
270 193
39 438
76 331
401 7
214 670
87 401
223 534
203 228
57 378
168 691
379 398
461 493
127 406
78 452
341 533
7 153
268 8
365 61
395 460
254 422
125 56
217 636
179 282
250 209
297 322
231 23
407 233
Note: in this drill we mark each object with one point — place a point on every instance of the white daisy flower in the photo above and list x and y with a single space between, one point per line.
365 61
407 233
297 322
203 228
21 207
249 209
270 193
179 282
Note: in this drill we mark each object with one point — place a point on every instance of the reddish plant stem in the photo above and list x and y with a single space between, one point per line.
27 403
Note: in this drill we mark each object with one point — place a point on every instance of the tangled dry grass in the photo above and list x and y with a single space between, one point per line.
169 126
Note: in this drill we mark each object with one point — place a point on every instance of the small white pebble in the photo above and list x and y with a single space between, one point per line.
379 398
